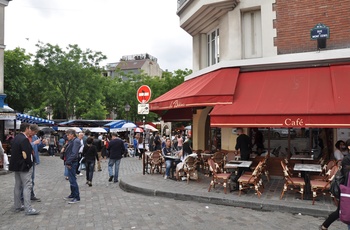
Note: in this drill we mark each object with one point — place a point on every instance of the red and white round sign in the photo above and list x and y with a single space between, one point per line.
143 94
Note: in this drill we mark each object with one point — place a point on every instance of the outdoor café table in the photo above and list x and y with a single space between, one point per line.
302 158
306 169
237 164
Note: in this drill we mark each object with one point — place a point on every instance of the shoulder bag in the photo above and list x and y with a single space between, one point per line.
336 182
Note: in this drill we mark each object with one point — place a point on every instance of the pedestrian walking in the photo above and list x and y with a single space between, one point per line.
116 150
90 155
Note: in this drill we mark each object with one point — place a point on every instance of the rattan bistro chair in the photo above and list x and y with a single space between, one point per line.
291 182
217 176
323 186
252 180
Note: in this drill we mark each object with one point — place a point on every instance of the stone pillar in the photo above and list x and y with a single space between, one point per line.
3 4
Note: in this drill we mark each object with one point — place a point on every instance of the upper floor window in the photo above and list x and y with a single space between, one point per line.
251 34
213 45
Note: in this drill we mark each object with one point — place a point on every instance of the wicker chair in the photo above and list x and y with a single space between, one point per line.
156 162
291 182
252 180
217 176
323 186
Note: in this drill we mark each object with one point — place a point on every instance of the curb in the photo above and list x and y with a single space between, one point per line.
262 205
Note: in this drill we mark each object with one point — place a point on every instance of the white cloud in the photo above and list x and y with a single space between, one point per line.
115 28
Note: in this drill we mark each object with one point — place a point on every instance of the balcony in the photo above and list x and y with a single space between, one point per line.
195 16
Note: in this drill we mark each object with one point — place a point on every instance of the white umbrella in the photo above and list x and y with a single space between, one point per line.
98 130
77 130
150 127
129 125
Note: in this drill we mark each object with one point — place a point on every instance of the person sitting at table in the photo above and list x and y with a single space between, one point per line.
341 150
167 151
186 150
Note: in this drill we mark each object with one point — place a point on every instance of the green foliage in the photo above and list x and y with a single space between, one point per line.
70 80
19 82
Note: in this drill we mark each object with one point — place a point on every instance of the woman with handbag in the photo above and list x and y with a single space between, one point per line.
90 155
345 164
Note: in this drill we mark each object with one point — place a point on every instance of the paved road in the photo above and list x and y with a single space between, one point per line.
106 206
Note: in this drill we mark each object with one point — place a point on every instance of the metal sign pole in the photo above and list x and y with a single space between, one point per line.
144 147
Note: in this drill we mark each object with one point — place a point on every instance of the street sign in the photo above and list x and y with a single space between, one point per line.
319 31
143 94
143 109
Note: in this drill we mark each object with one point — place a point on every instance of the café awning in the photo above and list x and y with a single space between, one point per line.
306 97
214 88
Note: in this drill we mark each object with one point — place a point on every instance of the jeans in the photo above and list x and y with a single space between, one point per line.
90 165
74 188
168 164
65 171
116 164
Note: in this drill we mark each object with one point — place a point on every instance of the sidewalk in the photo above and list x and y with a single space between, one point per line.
155 185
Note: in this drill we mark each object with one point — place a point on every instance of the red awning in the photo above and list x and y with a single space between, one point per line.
308 97
214 88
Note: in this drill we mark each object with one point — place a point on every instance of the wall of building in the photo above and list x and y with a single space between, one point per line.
230 27
294 19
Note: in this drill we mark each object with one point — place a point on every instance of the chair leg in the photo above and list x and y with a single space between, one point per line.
211 183
225 185
285 187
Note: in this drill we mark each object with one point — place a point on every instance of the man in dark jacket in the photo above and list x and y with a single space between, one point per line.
21 163
72 157
244 145
98 143
116 150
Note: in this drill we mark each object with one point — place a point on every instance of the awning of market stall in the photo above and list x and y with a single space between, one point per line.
33 120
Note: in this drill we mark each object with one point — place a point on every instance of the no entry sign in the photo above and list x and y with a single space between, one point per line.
143 94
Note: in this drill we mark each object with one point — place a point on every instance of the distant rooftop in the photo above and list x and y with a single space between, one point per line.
138 57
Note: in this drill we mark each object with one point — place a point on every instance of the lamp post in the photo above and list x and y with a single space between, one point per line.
127 109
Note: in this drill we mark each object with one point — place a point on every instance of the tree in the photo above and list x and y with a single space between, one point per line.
18 76
72 80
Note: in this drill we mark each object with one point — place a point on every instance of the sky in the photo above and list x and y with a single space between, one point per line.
114 27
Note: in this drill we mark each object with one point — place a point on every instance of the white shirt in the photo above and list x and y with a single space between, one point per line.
338 155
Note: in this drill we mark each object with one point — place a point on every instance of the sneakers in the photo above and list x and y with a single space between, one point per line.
68 197
165 177
35 199
90 184
80 174
32 211
74 201
20 209
110 178
116 181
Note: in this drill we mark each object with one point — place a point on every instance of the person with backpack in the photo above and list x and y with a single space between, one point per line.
345 169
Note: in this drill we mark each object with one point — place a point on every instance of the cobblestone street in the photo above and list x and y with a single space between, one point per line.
106 206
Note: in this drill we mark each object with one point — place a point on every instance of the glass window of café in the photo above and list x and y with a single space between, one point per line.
286 142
